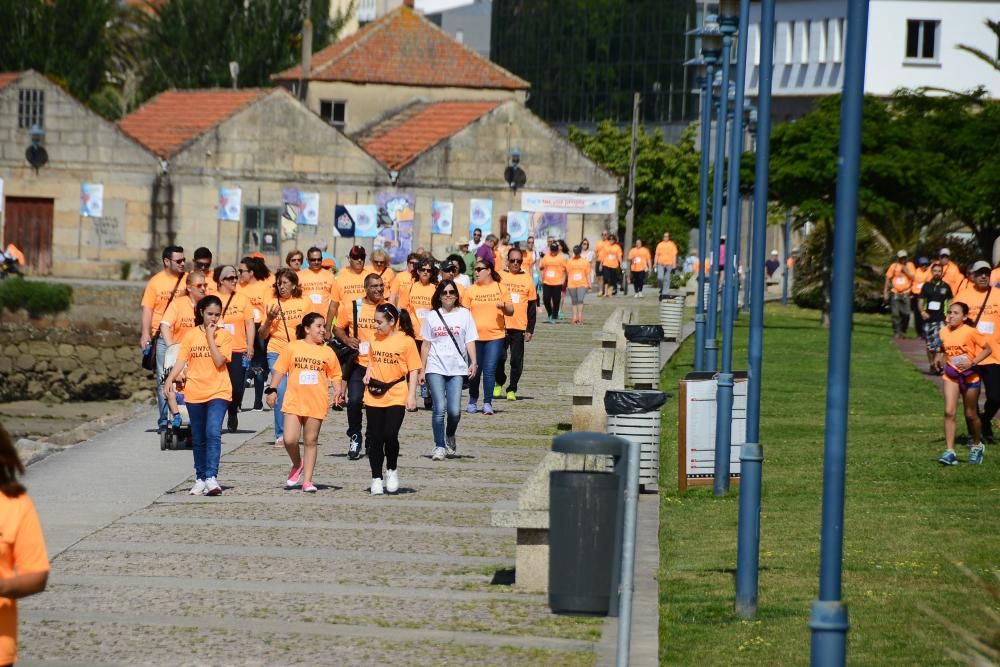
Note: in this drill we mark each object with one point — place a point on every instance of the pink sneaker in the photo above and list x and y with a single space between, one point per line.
294 477
309 487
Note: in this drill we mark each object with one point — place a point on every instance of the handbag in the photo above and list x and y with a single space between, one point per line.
465 378
377 387
149 353
346 354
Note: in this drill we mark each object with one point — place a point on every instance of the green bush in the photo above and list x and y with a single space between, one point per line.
35 297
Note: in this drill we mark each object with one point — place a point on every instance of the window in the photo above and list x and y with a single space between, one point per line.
790 42
921 39
806 35
460 36
366 11
261 230
30 108
334 112
821 45
838 40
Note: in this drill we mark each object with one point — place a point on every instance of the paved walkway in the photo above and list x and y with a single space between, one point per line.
145 574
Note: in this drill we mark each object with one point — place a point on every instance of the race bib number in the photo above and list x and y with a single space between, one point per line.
985 328
577 276
422 313
919 286
256 315
637 260
550 273
231 328
363 347
933 305
316 298
515 297
308 377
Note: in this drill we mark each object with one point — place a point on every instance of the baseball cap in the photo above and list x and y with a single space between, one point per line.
901 253
357 252
981 266
944 251
774 252
327 263
462 242
448 267
577 249
922 261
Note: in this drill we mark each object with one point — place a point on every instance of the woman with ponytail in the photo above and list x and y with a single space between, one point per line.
390 389
308 365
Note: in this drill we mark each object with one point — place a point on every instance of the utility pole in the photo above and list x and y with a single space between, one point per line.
630 213
307 47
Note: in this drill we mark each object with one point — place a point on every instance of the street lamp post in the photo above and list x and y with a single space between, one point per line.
788 251
828 617
752 452
734 16
752 131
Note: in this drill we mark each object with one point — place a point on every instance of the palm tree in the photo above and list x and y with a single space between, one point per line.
993 62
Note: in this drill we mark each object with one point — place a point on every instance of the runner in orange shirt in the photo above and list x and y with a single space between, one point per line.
666 261
950 272
963 348
390 389
921 275
552 268
599 249
639 262
316 282
489 301
160 292
284 311
237 319
350 283
207 390
578 282
308 365
898 280
610 266
983 302
520 326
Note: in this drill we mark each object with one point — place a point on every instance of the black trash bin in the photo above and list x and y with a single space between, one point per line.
585 515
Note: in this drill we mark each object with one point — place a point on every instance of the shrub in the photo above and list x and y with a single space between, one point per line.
37 298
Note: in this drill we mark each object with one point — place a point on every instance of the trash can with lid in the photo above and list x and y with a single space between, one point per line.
635 416
585 526
672 314
642 354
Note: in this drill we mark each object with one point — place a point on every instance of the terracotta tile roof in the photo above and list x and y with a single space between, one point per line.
404 48
7 78
174 118
402 138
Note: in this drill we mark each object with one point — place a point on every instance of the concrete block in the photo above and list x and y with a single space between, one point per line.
531 560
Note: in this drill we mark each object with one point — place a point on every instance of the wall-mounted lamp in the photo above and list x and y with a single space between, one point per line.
36 155
513 174
393 176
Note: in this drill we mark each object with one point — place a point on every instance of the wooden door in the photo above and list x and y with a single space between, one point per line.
28 225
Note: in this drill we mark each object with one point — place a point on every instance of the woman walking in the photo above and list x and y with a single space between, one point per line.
237 319
488 301
963 347
611 264
207 390
448 356
416 300
255 285
578 282
284 312
553 269
588 254
390 389
309 365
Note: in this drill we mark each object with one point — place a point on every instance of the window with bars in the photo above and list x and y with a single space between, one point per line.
260 229
921 39
30 108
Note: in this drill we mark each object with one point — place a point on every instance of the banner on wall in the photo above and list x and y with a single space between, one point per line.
554 202
343 222
289 213
230 204
518 226
365 217
442 214
481 216
308 208
396 216
548 224
92 200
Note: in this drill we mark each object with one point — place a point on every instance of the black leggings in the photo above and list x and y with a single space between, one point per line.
552 296
382 437
354 375
990 373
237 377
515 344
638 280
610 277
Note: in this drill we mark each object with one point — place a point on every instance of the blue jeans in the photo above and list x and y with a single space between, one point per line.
446 391
279 416
206 435
487 355
161 403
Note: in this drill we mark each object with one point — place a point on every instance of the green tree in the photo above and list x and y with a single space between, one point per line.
993 62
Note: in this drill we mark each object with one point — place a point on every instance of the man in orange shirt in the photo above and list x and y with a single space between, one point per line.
666 261
898 280
639 264
920 276
350 283
611 265
950 273
983 301
552 268
316 283
203 263
520 325
599 248
160 292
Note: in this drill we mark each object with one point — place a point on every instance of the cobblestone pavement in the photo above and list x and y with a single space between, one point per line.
267 576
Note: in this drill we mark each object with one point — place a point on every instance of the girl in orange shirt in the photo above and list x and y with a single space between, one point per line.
390 389
489 301
207 391
578 281
284 312
962 348
308 364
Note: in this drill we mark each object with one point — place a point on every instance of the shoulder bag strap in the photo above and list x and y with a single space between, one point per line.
173 293
354 312
283 320
983 307
228 301
451 335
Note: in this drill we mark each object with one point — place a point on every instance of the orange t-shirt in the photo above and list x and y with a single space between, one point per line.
400 284
235 315
522 291
309 367
417 301
961 340
552 270
989 323
157 293
612 256
898 280
366 326
599 249
349 285
211 287
283 326
920 276
180 317
639 259
666 253
387 275
317 287
951 274
22 551
392 357
579 273
206 381
258 294
528 260
481 300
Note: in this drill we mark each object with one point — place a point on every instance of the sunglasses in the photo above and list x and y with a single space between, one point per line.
178 261
197 285
202 265
449 292
514 261
315 259
482 268
230 278
424 269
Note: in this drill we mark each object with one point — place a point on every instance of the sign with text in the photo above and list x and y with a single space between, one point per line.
554 202
107 232
696 440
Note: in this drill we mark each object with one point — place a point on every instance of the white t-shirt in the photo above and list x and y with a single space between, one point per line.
473 246
444 358
463 280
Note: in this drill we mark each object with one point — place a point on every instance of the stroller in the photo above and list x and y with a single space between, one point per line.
175 437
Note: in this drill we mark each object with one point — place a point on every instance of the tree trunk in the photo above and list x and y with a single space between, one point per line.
824 313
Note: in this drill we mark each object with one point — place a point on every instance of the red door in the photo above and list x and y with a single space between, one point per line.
28 225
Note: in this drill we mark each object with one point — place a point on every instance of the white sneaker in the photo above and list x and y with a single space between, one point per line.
439 454
198 489
212 487
376 486
391 481
450 445
279 442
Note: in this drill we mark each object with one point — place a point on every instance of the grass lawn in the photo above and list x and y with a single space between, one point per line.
907 519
